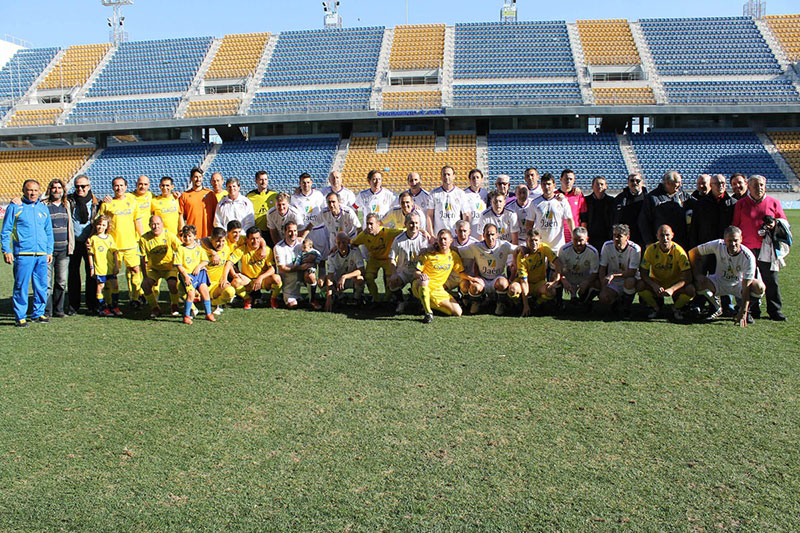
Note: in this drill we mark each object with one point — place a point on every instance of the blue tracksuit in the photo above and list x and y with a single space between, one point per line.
28 234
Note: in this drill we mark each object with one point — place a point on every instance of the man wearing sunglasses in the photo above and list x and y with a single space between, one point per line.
629 204
83 206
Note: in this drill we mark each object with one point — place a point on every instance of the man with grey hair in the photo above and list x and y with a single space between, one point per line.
757 215
735 275
83 206
503 185
665 205
234 206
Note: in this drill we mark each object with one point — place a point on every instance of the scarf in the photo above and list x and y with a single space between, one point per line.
81 203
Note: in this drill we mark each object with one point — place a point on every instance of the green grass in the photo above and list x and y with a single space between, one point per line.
279 420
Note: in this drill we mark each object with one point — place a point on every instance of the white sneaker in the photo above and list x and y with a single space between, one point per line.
218 310
194 311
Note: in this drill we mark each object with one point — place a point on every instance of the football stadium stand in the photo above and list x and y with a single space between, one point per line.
324 56
162 66
75 66
34 117
623 96
17 76
516 94
708 46
788 144
18 165
408 153
512 50
786 29
283 159
154 160
238 56
588 155
693 153
212 108
776 91
417 47
412 100
310 101
608 42
91 112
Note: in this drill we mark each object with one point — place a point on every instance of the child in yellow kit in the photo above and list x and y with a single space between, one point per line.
104 266
191 260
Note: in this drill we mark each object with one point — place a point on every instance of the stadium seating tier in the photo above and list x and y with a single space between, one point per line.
18 165
238 56
417 47
608 42
310 101
75 66
92 112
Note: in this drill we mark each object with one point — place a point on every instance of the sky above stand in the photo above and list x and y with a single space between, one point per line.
50 23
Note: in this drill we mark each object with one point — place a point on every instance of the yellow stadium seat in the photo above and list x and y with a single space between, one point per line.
75 66
608 42
417 46
43 165
238 56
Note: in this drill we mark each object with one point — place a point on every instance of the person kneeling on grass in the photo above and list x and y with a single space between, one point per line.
531 281
157 248
433 269
735 275
665 271
256 270
577 264
345 271
221 289
104 266
191 261
619 264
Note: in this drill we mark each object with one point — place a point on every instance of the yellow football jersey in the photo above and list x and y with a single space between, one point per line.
437 266
665 268
168 208
378 245
159 251
534 265
215 271
262 203
189 258
102 249
123 212
250 262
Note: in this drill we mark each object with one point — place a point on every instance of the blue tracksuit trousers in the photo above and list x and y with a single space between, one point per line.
29 268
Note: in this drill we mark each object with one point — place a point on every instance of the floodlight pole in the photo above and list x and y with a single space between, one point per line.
117 34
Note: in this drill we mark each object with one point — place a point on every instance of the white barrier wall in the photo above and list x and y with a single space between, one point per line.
7 50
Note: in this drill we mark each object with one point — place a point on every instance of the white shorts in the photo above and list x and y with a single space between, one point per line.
617 285
488 286
725 289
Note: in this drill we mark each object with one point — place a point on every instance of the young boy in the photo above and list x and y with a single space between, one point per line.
104 266
309 256
191 260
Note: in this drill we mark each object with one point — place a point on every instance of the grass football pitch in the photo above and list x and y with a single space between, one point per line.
298 420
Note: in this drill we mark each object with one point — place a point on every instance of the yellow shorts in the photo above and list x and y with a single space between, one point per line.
438 295
374 265
158 275
130 257
531 286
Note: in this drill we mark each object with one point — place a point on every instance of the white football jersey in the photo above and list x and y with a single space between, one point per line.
578 266
276 221
476 205
731 269
506 222
346 196
422 199
320 237
491 262
346 222
339 265
447 207
286 255
379 203
522 216
548 217
617 262
309 205
405 250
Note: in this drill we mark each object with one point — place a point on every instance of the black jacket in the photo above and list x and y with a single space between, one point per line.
627 210
599 217
660 208
710 217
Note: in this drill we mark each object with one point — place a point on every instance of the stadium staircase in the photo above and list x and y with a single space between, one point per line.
194 88
584 81
648 64
446 74
62 119
776 155
255 80
32 89
482 154
212 153
341 156
85 166
628 154
381 72
777 51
